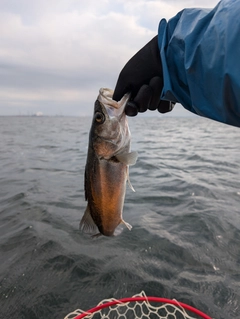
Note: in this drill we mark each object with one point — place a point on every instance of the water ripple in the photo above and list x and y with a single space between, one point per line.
185 241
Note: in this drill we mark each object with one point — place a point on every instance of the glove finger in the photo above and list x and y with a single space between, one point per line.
139 70
119 91
156 84
165 106
143 98
131 109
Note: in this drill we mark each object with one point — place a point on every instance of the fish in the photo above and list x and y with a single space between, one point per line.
107 166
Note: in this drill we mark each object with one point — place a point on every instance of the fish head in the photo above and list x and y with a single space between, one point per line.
109 131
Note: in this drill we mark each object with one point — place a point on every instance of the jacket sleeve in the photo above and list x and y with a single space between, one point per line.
200 53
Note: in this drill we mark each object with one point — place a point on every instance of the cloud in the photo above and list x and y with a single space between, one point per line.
59 53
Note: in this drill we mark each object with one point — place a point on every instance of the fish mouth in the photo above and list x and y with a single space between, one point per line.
113 108
105 97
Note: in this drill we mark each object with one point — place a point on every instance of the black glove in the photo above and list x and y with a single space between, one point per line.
142 77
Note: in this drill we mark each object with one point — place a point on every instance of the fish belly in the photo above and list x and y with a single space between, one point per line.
108 193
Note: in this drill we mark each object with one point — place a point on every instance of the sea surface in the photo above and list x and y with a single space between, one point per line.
185 240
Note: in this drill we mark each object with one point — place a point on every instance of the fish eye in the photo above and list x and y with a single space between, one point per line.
99 117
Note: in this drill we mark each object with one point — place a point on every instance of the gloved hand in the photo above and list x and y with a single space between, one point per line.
142 77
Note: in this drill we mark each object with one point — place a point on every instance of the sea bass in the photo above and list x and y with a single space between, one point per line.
106 171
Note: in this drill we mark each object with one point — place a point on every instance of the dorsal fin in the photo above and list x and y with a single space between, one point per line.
87 224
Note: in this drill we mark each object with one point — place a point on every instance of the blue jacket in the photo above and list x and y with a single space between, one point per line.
200 52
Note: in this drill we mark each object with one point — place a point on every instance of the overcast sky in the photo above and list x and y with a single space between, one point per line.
56 54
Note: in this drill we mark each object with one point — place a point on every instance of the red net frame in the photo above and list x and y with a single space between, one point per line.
125 301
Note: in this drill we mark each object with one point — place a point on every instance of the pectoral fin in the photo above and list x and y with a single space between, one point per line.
87 224
127 158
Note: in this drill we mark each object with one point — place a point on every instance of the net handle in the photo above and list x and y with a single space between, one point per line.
153 299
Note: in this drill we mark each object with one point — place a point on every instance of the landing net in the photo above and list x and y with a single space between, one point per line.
139 307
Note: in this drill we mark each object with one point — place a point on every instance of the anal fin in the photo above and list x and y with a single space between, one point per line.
126 224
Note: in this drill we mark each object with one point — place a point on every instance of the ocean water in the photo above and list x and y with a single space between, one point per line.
185 240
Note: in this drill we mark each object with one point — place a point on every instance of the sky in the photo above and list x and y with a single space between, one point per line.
56 54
